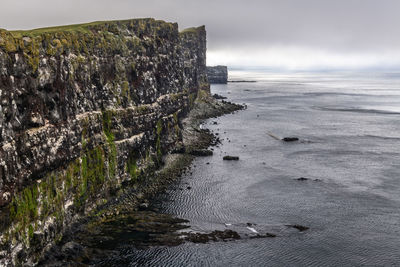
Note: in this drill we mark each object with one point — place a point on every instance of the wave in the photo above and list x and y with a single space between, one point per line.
357 110
381 137
334 94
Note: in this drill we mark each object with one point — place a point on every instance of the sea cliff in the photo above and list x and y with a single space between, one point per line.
218 74
85 110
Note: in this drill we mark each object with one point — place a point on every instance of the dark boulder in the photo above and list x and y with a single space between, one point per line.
290 139
299 227
217 96
231 158
263 236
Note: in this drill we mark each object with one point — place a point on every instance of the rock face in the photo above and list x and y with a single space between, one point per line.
83 109
218 74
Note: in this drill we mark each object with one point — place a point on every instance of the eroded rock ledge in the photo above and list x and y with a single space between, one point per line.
85 109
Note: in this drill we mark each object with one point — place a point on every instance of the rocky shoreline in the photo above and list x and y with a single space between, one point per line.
90 238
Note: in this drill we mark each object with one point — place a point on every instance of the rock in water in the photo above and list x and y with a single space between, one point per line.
290 139
302 179
299 227
216 96
231 158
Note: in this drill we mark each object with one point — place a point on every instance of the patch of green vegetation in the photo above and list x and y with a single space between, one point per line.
189 30
107 124
56 47
7 42
92 176
125 88
125 91
81 28
192 98
82 179
24 207
30 231
31 204
159 127
193 30
176 125
132 167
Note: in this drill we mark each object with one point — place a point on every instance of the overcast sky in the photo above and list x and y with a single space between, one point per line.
282 34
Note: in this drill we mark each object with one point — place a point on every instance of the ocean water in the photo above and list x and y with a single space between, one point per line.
349 130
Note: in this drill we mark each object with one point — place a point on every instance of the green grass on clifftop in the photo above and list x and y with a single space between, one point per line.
192 30
87 27
83 28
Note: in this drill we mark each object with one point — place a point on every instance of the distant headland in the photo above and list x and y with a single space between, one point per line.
217 74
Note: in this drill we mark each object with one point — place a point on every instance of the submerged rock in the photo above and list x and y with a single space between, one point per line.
231 158
299 227
290 139
302 179
213 236
263 236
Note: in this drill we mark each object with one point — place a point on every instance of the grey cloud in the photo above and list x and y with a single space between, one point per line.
340 26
